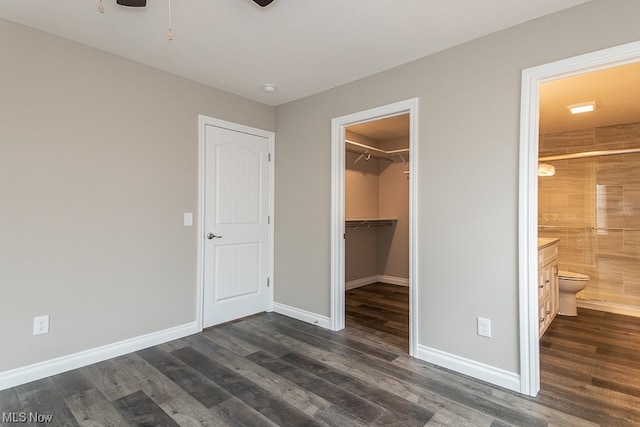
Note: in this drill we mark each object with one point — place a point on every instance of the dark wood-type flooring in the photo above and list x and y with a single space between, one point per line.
270 370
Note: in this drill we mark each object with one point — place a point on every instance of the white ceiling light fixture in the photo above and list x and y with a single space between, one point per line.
584 107
269 87
545 169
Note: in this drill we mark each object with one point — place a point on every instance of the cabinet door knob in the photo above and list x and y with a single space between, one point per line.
541 319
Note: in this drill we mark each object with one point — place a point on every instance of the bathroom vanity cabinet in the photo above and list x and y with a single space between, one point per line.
548 292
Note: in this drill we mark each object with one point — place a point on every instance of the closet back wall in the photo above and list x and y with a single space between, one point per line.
376 189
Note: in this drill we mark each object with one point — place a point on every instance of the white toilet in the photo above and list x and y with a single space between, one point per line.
569 284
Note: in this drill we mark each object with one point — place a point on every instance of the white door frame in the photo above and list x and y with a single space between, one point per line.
338 126
203 121
528 199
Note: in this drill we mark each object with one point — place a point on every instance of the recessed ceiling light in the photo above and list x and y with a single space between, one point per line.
584 107
269 87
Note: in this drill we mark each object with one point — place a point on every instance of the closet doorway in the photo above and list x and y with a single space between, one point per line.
373 223
377 229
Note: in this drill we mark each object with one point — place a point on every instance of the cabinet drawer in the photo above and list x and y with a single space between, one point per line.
541 285
542 325
547 255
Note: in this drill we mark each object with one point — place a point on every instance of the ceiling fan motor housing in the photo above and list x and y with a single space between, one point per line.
132 3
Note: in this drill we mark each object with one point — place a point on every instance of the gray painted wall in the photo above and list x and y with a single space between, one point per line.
468 159
98 162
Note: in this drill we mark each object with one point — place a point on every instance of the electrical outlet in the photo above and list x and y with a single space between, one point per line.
41 325
484 327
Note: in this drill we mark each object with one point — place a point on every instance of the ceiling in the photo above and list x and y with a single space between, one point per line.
383 129
616 91
301 46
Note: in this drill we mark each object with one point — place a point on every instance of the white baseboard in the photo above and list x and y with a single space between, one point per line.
303 315
609 307
58 365
352 284
400 281
490 374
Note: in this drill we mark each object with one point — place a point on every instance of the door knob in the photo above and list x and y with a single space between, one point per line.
211 236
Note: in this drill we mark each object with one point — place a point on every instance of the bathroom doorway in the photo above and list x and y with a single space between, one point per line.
588 191
347 125
533 136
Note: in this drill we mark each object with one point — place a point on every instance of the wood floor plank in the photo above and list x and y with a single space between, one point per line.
118 377
350 403
244 414
327 339
185 410
584 371
140 410
91 409
268 405
300 398
412 414
192 382
42 397
9 402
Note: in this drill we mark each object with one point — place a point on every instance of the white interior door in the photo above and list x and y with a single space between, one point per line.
236 230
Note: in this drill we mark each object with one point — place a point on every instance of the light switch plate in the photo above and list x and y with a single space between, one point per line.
188 219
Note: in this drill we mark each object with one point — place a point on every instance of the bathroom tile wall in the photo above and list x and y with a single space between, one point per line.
587 203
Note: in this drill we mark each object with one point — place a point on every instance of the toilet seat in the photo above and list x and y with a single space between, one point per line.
570 275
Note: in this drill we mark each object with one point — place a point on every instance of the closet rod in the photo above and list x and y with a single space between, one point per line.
369 154
369 147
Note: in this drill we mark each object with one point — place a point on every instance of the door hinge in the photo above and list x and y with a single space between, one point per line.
268 283
269 157
268 219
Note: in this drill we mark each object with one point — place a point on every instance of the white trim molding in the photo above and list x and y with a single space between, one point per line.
61 364
364 281
528 192
302 315
338 129
392 280
358 283
481 371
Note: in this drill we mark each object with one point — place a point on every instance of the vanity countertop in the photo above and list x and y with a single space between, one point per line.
543 242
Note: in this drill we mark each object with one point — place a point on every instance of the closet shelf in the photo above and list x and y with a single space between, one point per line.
368 151
370 222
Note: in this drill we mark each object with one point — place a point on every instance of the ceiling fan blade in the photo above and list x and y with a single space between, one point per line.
132 3
263 3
